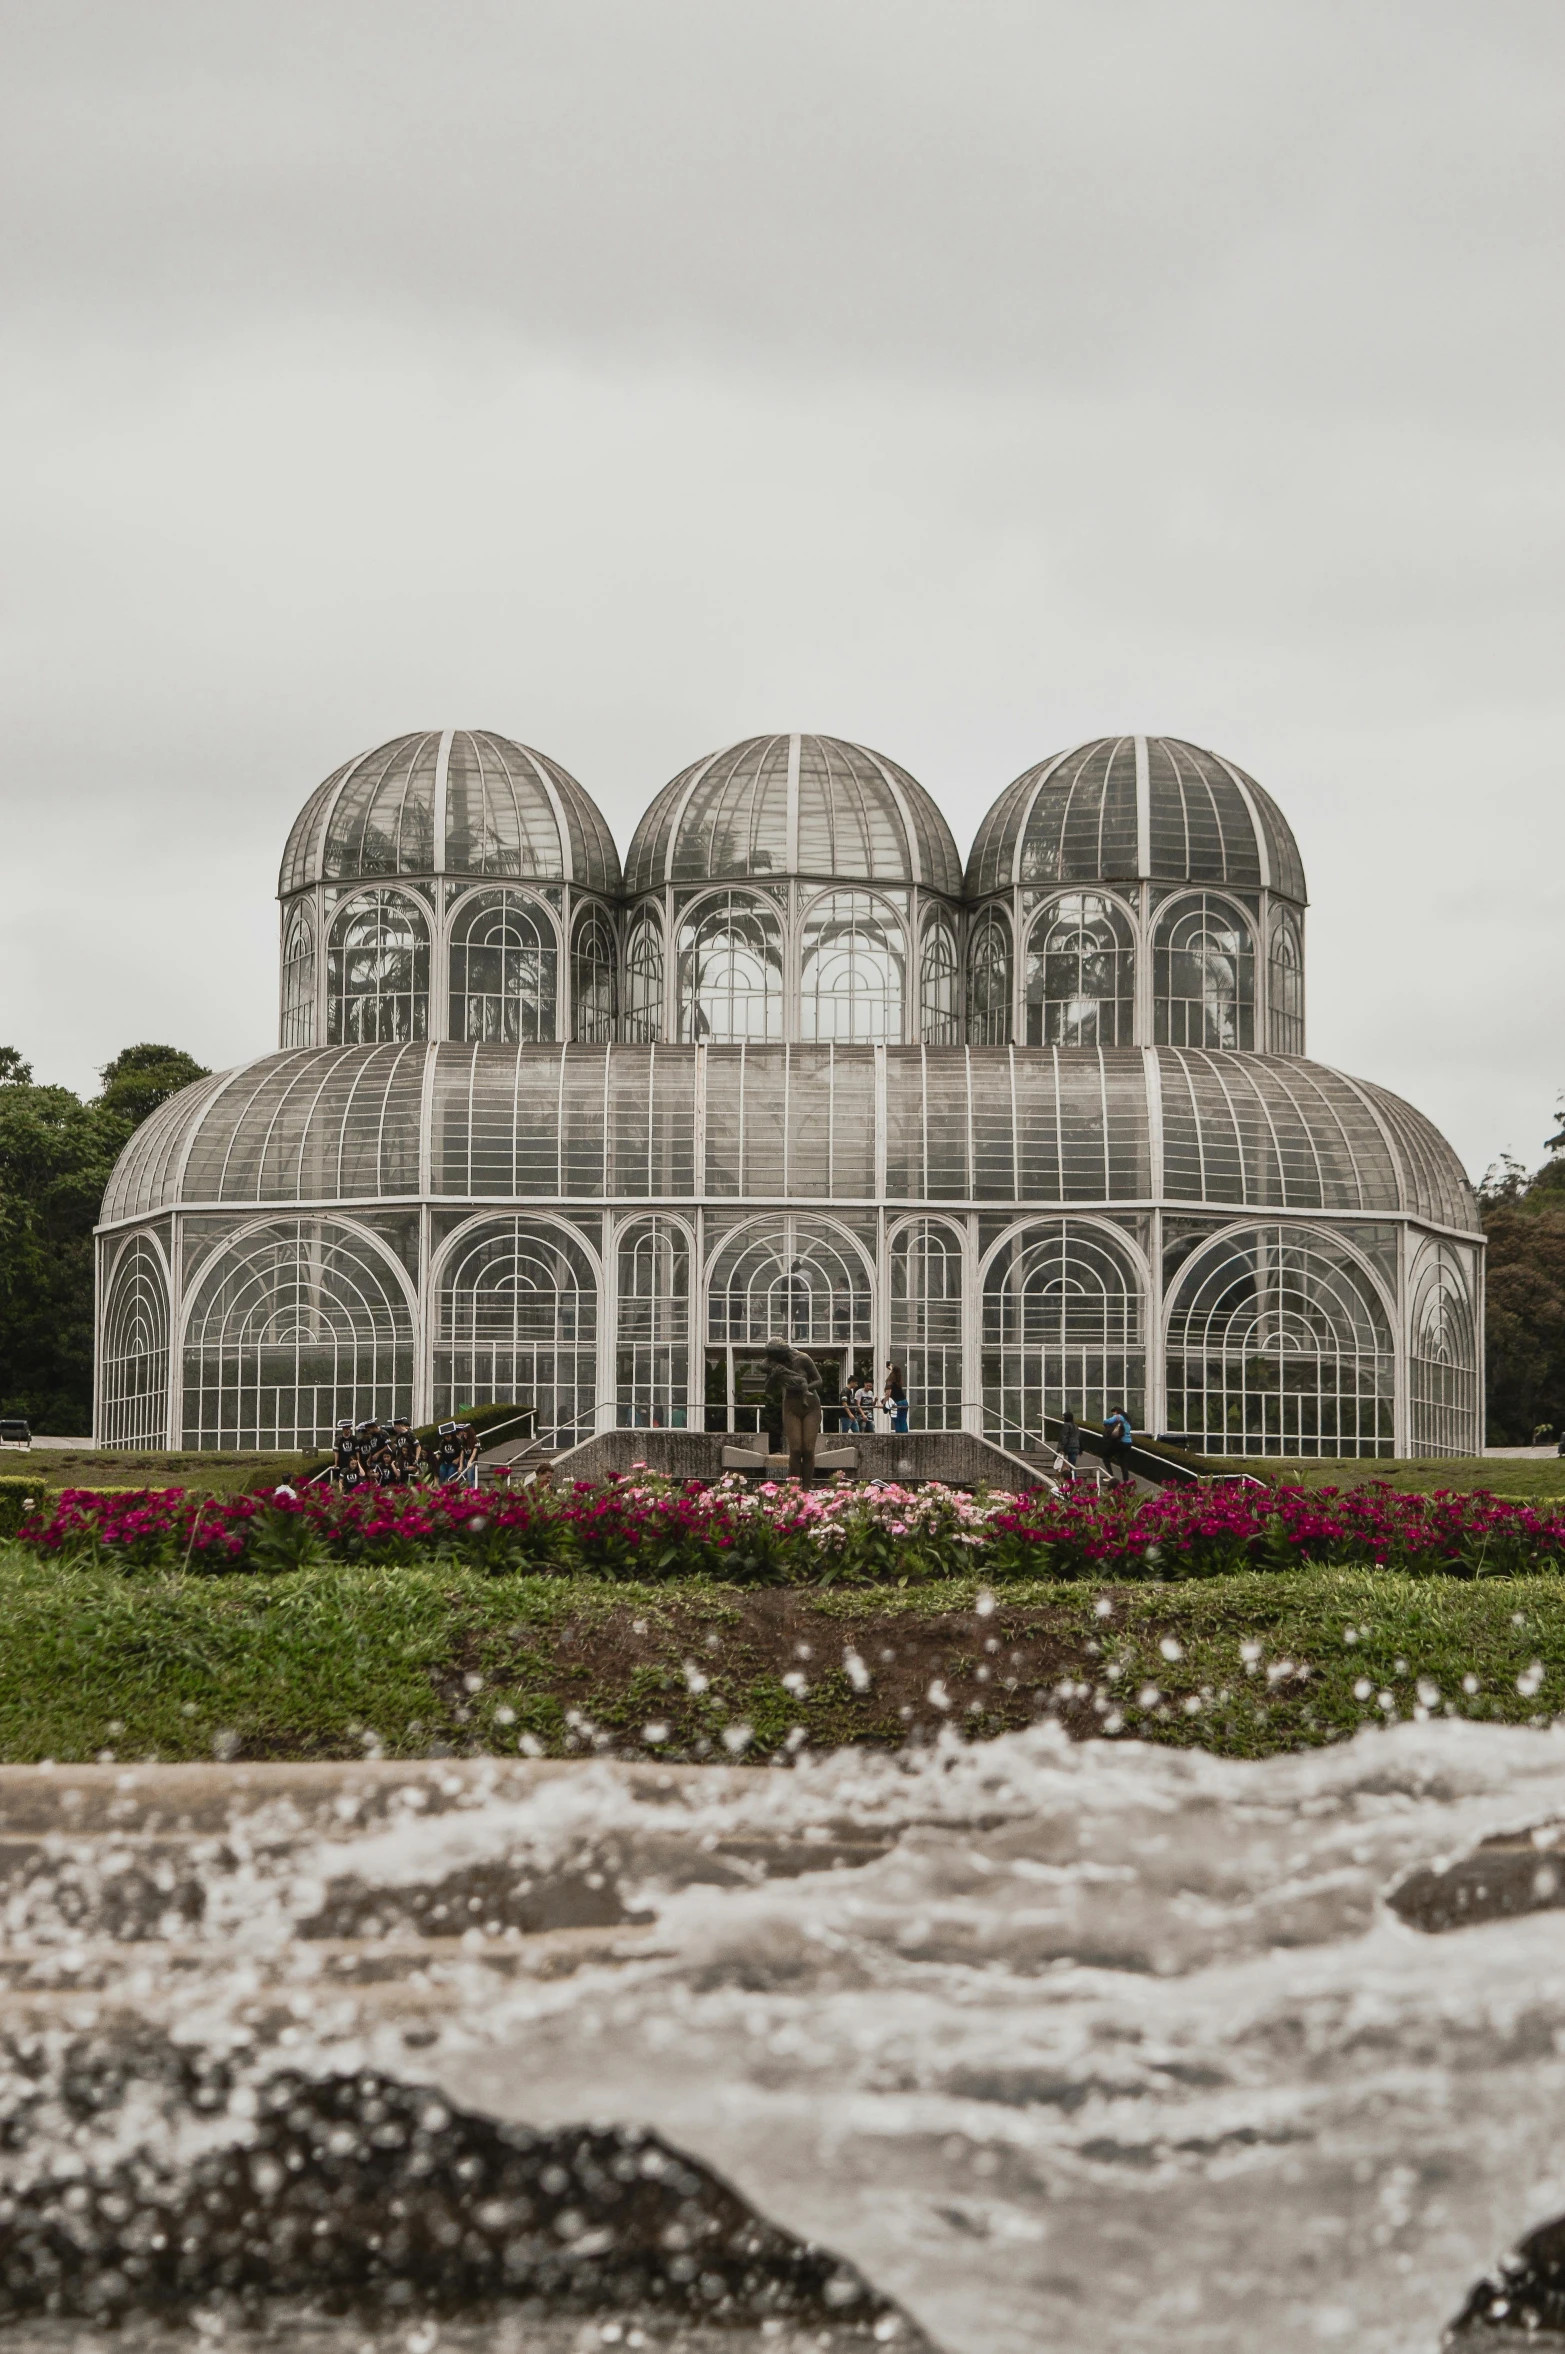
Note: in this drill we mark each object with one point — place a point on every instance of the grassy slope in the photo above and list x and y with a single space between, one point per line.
321 1663
217 1474
1500 1475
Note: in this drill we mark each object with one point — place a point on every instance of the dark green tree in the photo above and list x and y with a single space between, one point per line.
141 1077
56 1153
1524 1299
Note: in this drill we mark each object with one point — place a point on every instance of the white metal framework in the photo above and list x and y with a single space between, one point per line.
1064 1324
1444 1352
1280 1343
504 965
291 1324
540 1133
133 1362
517 1317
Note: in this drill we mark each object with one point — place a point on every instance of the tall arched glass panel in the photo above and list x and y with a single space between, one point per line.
1204 976
298 1028
731 970
517 1323
989 980
939 982
853 970
793 1279
295 1325
644 979
1278 1344
1063 1325
1079 988
652 1358
592 978
926 1322
377 972
1443 1373
504 969
1285 1023
133 1361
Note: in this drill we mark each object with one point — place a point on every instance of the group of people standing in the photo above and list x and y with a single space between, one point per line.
392 1455
864 1408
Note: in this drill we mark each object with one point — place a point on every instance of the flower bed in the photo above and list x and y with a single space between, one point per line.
779 1534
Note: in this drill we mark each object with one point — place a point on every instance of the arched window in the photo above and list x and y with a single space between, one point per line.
989 980
1443 1372
299 980
133 1365
731 970
504 969
926 1322
1064 1325
797 1281
377 972
1080 986
939 1020
652 1355
293 1326
517 1323
592 978
1278 1344
644 979
852 971
1204 976
1285 1024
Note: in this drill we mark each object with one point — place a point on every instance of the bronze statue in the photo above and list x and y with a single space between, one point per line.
793 1389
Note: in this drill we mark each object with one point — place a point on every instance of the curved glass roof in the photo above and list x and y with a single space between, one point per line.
459 801
1125 807
794 805
960 1124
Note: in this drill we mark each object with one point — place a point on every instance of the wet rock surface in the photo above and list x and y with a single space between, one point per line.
1524 2300
362 2191
1507 1876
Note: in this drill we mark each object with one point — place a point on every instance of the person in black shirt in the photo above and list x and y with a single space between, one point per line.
344 1455
1070 1440
409 1455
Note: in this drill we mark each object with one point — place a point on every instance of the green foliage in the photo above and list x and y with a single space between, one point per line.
56 1155
19 1498
484 1418
1524 1218
141 1077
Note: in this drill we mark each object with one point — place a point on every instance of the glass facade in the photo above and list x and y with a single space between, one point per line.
543 1135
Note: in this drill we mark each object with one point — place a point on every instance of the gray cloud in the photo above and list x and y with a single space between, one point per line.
965 378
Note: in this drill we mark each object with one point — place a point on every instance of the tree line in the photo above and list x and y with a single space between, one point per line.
56 1153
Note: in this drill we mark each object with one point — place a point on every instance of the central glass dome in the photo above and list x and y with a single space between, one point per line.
794 805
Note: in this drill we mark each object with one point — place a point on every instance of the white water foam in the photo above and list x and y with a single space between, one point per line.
1110 2047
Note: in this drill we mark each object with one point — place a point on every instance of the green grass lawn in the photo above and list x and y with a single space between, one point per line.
336 1661
222 1474
1501 1475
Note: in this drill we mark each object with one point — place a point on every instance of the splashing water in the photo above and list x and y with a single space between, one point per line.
1057 2046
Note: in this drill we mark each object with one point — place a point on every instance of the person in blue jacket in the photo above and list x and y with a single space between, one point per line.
1119 1437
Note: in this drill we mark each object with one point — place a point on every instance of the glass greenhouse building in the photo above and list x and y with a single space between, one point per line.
546 1129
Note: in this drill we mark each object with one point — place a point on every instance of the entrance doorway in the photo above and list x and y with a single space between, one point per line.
736 1377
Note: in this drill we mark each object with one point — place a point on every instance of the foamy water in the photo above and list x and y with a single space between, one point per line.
1079 2047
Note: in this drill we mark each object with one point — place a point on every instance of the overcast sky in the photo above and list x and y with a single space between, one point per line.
630 375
